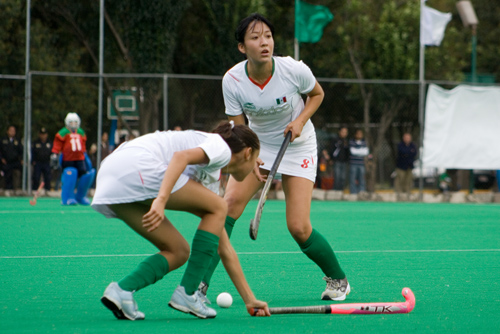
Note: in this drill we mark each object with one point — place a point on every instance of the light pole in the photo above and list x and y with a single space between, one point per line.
469 19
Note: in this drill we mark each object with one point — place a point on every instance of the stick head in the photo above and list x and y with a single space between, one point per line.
409 297
253 230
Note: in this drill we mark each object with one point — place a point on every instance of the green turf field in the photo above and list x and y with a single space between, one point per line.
55 263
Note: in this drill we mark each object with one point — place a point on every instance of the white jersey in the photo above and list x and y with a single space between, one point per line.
135 170
271 107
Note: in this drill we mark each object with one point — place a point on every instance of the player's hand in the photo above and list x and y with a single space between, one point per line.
54 161
258 308
256 171
296 128
153 218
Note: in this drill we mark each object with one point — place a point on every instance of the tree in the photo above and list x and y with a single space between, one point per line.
140 38
380 40
372 39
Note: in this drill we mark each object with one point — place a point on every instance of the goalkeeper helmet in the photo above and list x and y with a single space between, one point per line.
72 121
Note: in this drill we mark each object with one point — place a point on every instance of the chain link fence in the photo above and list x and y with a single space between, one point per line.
383 109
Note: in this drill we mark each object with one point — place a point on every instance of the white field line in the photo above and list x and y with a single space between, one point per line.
38 212
258 253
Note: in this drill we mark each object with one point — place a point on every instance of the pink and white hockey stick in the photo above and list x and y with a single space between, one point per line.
357 308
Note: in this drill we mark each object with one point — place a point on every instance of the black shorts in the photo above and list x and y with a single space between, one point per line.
78 164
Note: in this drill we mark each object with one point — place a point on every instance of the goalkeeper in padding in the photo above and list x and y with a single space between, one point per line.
77 171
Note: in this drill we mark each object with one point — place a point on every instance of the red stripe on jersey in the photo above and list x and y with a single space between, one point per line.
259 85
232 76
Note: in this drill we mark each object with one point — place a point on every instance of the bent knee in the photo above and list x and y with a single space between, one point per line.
220 208
235 204
300 231
182 252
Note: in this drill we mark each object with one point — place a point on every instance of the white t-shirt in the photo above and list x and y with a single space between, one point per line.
135 170
271 108
163 145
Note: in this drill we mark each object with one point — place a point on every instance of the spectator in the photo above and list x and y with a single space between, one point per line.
105 150
407 151
40 157
92 153
324 176
358 151
340 157
11 155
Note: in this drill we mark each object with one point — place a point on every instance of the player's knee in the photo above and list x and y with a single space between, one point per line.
235 205
300 232
220 209
182 252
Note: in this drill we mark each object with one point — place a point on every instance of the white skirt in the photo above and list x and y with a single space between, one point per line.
129 175
299 159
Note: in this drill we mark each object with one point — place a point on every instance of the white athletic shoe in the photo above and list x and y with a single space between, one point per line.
121 303
336 289
190 304
202 292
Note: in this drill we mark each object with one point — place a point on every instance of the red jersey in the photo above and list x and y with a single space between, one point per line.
71 144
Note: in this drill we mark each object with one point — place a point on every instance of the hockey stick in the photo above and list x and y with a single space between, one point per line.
254 223
37 193
357 308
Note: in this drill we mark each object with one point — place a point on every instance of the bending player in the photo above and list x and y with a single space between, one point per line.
268 91
176 170
76 167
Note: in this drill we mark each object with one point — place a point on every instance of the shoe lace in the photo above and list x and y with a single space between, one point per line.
333 284
203 287
199 304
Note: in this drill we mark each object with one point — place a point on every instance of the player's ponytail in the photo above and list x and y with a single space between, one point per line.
237 137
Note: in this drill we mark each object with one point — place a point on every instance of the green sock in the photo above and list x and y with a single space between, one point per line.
216 259
202 251
148 272
319 250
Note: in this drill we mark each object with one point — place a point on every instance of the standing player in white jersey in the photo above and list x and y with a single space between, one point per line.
268 90
172 170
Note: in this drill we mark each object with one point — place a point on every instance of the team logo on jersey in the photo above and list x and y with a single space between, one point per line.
249 106
281 100
264 112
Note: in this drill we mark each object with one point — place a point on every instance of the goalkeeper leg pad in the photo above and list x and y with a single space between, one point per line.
68 180
83 187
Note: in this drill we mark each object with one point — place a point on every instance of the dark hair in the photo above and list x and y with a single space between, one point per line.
243 26
238 137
